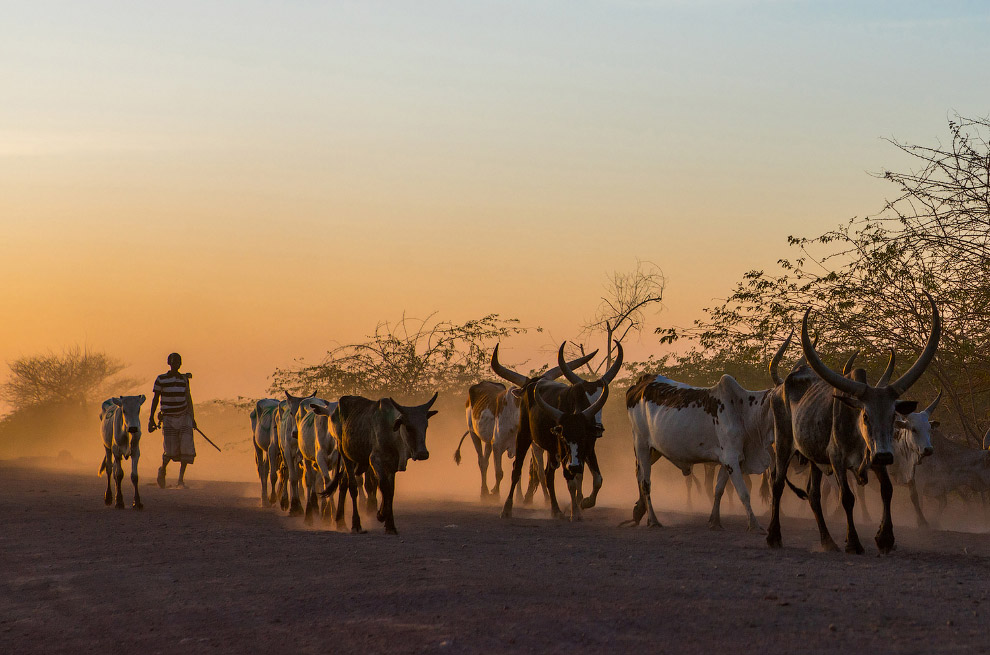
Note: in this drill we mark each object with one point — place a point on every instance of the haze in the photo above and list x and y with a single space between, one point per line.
250 182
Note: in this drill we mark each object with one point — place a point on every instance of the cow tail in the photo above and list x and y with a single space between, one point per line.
337 475
457 453
797 492
765 488
103 467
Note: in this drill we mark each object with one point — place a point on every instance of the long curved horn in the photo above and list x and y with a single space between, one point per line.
504 373
432 400
853 388
616 366
848 366
904 382
931 408
556 372
571 376
885 378
547 407
804 360
775 361
590 412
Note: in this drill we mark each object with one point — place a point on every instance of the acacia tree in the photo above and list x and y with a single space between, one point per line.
71 376
864 280
623 308
409 357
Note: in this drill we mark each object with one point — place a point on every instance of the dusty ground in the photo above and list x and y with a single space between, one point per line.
206 569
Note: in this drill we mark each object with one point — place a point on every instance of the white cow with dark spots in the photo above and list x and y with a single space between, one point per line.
121 428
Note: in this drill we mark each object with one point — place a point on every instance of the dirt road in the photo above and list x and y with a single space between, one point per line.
206 569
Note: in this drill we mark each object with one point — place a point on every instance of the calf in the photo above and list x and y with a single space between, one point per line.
121 428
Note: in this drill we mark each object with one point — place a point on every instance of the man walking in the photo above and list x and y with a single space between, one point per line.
178 418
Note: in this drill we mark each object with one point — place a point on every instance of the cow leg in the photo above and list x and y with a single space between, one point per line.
309 482
885 535
644 466
739 484
710 470
108 469
848 502
497 461
295 475
596 480
370 490
715 520
783 447
118 475
274 464
916 502
815 500
262 463
864 510
483 452
765 496
523 443
551 470
341 502
574 489
387 485
537 476
135 456
352 488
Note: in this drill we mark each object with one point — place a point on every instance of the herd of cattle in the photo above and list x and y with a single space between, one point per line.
815 418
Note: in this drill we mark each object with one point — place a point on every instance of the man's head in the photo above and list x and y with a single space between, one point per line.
175 361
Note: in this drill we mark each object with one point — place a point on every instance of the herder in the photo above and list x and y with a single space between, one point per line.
177 416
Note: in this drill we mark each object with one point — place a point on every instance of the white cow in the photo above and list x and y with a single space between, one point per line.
267 455
492 415
292 458
121 418
318 447
912 444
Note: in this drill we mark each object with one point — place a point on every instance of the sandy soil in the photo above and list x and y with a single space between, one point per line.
206 569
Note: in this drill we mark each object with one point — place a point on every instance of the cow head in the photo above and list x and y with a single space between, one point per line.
914 430
592 388
576 432
411 424
521 380
130 407
288 412
507 417
877 405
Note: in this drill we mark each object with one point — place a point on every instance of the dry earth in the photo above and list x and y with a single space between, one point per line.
206 569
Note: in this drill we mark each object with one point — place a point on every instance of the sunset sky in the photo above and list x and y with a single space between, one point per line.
250 182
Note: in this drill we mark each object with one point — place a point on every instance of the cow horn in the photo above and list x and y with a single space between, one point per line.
848 366
904 382
853 388
432 400
547 407
571 376
931 408
556 372
590 412
885 378
616 365
804 360
775 361
515 378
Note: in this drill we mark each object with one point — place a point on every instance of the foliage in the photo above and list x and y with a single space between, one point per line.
863 281
410 358
72 376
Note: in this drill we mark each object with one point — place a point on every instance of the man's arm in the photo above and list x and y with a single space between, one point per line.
189 403
152 425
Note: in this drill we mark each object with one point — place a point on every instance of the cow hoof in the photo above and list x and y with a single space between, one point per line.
654 524
506 514
774 542
715 525
284 505
358 531
137 505
852 549
108 500
380 516
308 519
119 505
391 531
576 517
756 527
587 503
527 500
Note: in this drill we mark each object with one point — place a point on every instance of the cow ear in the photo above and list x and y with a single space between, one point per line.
934 424
431 413
849 402
397 424
906 407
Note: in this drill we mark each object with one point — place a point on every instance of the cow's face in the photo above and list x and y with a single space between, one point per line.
914 436
507 421
575 440
411 424
593 391
130 407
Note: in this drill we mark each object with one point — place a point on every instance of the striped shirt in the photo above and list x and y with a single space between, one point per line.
174 390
